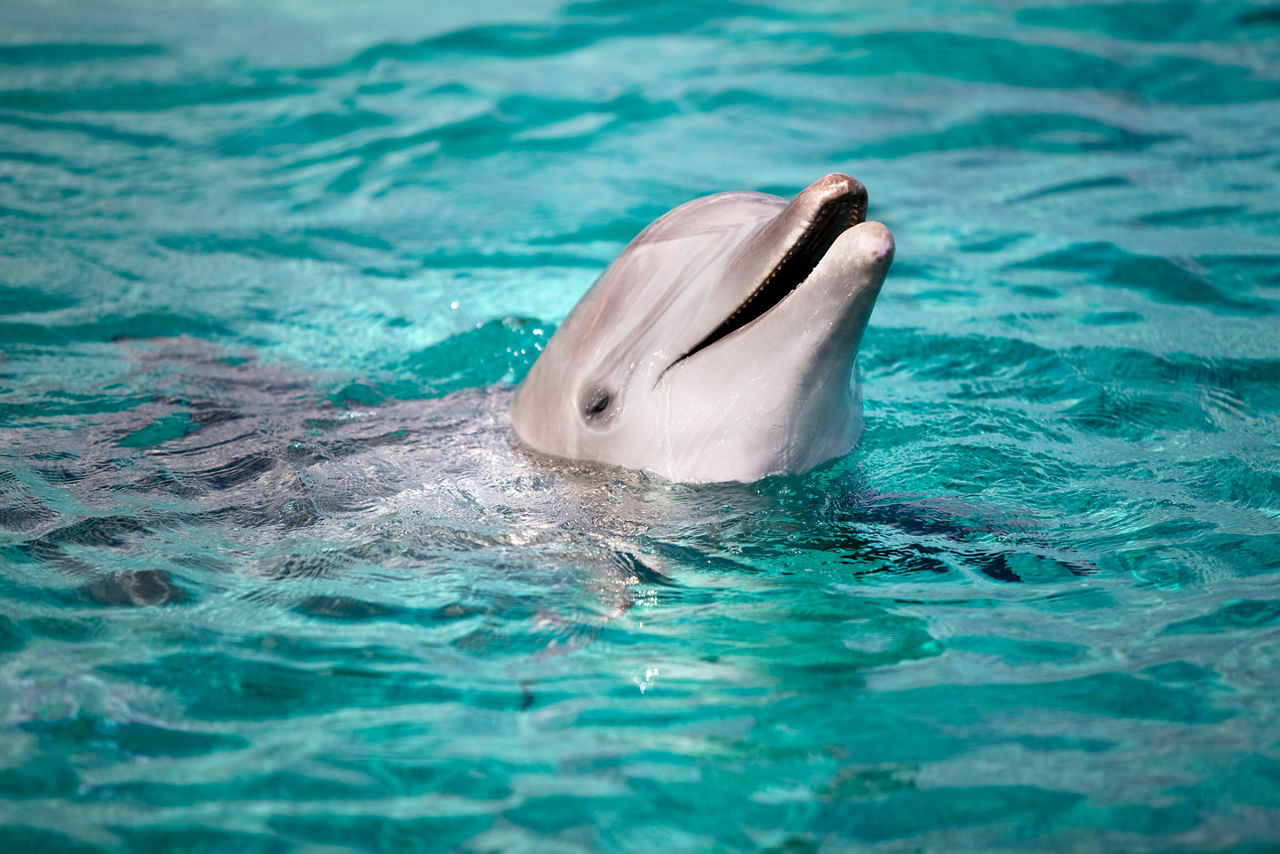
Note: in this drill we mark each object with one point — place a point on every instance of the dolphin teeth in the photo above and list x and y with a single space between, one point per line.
832 219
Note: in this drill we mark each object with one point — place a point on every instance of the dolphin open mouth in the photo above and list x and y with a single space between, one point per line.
835 215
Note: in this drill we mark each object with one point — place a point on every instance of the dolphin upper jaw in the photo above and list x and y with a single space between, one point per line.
787 250
831 298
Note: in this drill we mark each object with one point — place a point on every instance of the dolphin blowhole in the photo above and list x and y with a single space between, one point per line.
720 344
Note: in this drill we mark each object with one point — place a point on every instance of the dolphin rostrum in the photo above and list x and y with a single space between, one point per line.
720 344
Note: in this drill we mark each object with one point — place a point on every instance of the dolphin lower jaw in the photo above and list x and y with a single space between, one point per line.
845 208
762 428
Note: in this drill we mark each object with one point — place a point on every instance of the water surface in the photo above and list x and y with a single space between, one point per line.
275 577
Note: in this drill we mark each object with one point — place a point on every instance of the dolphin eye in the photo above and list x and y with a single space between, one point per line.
595 404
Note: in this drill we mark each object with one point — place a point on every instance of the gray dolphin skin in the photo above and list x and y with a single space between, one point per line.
720 344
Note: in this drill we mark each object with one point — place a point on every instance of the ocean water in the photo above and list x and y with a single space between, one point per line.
275 577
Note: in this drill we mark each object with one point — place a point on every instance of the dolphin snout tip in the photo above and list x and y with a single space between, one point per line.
874 241
839 184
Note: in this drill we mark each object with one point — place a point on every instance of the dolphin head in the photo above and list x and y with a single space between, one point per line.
720 344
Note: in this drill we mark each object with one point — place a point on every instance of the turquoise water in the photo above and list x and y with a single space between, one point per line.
276 579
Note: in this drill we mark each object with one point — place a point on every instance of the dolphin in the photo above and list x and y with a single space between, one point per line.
720 344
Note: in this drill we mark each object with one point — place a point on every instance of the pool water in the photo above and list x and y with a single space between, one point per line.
276 578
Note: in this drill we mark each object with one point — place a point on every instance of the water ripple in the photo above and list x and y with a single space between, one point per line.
267 276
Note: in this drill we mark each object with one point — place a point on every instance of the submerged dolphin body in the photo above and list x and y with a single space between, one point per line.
720 344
